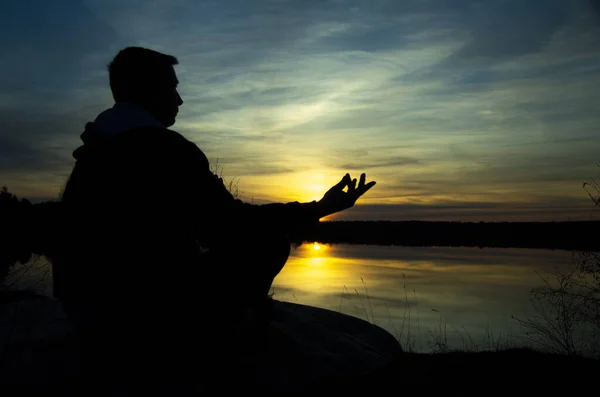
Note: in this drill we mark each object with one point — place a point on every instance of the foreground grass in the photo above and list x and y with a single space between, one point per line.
408 329
505 372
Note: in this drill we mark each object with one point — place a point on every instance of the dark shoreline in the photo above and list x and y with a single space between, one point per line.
571 236
22 241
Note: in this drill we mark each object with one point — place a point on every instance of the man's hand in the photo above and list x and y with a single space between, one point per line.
336 199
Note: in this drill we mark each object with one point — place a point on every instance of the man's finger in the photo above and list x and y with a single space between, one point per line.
363 189
362 179
344 182
352 186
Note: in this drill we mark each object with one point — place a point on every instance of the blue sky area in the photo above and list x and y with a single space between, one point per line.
460 110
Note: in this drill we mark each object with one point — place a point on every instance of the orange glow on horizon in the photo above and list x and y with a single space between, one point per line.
304 186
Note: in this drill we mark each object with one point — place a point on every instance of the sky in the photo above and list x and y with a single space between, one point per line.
459 110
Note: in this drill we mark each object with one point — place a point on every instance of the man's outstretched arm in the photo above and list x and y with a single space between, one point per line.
290 215
283 216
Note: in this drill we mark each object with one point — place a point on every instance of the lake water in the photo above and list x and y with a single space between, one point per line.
461 297
458 297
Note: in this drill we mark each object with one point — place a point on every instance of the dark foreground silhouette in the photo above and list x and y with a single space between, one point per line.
43 357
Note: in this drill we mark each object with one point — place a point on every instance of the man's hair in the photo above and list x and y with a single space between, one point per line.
136 67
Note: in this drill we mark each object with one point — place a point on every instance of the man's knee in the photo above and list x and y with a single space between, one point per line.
271 251
277 250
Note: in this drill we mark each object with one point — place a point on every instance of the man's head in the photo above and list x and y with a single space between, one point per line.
146 78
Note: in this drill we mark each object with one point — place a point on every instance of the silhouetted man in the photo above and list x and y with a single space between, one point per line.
159 261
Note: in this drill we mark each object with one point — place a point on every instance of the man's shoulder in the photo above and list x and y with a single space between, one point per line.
166 142
153 135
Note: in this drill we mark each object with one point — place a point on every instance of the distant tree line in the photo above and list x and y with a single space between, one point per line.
28 229
578 236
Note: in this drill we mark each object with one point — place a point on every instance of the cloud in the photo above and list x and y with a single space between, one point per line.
506 29
559 209
44 40
435 100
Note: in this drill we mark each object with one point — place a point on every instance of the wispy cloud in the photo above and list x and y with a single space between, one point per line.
464 101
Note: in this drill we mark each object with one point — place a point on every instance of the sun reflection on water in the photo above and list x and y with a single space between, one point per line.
313 268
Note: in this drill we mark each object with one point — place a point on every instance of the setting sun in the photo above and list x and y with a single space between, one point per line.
316 249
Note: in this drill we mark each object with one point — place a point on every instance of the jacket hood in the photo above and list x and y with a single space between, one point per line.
113 121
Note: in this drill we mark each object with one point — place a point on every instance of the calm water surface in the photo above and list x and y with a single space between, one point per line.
423 295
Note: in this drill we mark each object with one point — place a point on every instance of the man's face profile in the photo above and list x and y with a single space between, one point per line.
164 99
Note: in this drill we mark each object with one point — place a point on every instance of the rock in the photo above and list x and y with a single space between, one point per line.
306 346
39 351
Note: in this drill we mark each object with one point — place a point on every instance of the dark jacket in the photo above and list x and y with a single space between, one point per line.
138 210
